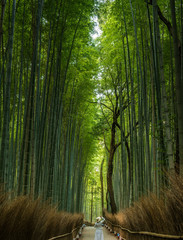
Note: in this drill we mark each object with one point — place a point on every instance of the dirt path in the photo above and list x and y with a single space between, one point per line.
89 234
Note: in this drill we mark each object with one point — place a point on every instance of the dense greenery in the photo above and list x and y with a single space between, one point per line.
90 122
48 68
139 95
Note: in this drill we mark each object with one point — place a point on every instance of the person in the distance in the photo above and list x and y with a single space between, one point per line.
99 228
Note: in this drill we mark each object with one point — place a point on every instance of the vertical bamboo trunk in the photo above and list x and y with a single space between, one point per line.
102 184
124 194
154 149
30 116
179 83
91 213
165 111
5 136
146 158
12 157
3 6
158 84
131 111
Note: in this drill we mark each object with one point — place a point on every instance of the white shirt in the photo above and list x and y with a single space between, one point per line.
99 225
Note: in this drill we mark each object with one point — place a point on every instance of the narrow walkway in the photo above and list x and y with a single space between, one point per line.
89 234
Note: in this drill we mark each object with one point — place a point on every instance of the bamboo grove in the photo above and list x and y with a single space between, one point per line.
140 96
89 120
47 63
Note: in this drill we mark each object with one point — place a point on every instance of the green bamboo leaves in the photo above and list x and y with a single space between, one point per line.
48 67
132 48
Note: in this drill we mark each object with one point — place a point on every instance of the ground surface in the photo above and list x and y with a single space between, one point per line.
89 234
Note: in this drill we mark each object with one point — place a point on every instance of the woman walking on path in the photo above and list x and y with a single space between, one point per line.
99 225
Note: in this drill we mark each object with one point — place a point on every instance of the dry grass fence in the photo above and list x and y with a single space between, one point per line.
25 219
164 217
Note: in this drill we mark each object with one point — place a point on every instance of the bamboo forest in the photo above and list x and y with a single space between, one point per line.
91 118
